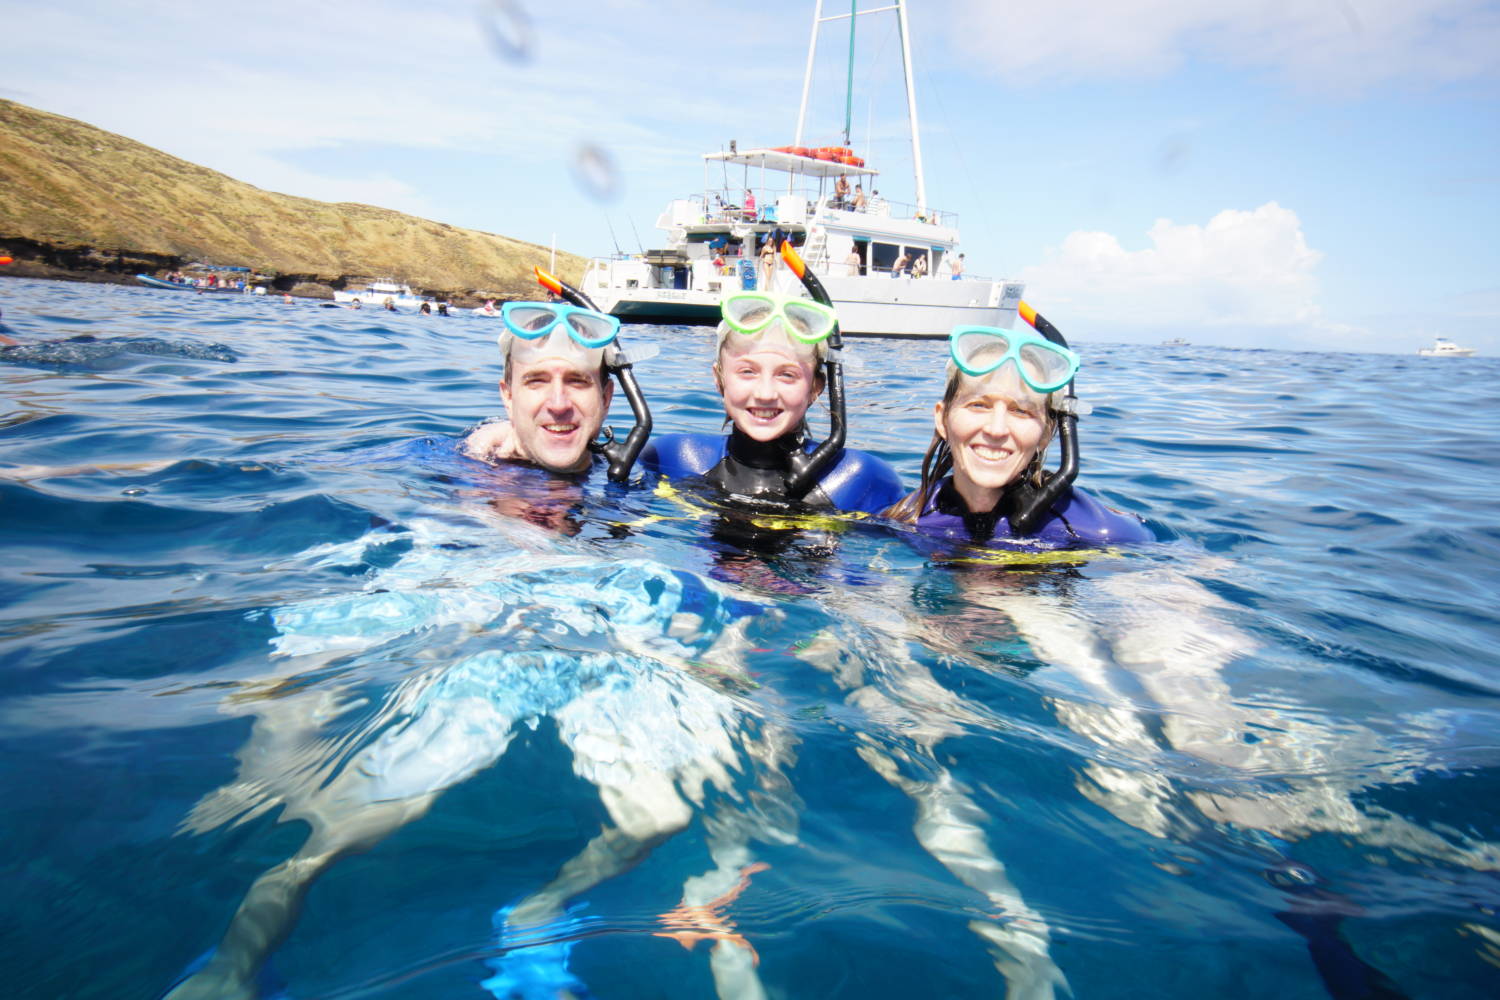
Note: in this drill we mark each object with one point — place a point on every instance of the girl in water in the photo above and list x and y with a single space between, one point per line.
775 357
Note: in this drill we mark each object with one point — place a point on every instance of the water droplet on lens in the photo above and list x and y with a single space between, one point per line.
596 174
507 26
1291 875
134 491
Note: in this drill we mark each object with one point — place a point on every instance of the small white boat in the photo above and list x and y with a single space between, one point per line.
490 308
1175 342
376 293
1442 347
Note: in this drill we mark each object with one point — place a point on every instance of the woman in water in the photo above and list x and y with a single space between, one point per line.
983 476
775 357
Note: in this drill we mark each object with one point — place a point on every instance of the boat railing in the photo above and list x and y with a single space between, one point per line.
884 207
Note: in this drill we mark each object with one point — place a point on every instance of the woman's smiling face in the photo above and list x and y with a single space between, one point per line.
767 383
994 427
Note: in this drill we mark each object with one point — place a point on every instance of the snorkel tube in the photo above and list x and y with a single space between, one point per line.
808 467
1028 504
621 455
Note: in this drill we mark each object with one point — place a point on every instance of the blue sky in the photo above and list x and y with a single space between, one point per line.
1322 174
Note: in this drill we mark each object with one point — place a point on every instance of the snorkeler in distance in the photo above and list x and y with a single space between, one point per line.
767 370
1008 393
559 360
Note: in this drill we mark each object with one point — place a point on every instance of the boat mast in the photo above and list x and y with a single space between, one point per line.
849 81
812 50
911 106
911 88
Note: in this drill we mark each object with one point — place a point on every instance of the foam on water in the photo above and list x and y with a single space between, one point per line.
253 602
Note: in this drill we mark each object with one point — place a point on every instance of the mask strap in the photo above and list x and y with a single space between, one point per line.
1029 504
808 468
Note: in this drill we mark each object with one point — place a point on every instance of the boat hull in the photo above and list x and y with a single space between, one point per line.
871 307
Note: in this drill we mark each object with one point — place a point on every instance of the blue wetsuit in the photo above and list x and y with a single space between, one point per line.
1076 519
738 464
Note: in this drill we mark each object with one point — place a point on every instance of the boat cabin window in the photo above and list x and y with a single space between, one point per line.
882 257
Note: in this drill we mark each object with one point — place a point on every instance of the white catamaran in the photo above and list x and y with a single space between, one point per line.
892 269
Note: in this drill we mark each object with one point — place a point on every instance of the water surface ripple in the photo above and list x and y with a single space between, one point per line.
251 593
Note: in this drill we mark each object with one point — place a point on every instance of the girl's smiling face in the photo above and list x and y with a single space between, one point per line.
768 384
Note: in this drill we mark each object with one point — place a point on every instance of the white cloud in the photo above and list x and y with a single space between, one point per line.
1240 276
1339 44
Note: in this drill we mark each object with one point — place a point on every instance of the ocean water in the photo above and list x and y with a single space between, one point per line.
255 608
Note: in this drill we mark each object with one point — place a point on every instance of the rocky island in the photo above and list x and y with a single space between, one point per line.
81 203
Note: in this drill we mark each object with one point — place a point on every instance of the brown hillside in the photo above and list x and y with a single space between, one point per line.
68 187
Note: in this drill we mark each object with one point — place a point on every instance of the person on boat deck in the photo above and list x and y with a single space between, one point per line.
919 266
956 265
767 370
556 389
841 192
902 263
853 262
992 427
767 269
749 208
859 198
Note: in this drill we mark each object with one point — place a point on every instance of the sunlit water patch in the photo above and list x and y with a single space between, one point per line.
520 736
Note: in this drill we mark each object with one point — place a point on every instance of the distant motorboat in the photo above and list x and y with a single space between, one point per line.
176 286
377 292
1175 342
185 286
1442 347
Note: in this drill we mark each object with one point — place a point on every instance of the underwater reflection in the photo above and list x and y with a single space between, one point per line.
639 667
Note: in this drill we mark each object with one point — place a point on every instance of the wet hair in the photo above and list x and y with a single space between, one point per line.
818 350
938 462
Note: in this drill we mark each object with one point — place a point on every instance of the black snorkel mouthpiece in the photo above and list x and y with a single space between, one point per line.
1027 504
808 468
620 455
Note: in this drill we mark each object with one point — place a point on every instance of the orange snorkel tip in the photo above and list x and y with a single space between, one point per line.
548 281
793 260
1028 314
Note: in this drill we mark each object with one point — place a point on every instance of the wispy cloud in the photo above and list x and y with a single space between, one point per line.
1345 45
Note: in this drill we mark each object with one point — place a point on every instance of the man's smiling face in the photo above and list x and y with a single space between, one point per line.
556 406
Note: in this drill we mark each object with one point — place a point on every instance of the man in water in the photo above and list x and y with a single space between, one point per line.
556 392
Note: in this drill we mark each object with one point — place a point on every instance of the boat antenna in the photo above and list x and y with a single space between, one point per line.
808 467
621 455
1028 504
612 238
637 234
